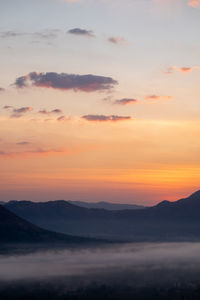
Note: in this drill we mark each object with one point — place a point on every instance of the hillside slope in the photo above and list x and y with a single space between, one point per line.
172 221
14 229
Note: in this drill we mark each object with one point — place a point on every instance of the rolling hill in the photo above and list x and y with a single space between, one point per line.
174 221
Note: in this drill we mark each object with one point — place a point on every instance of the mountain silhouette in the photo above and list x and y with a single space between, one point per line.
106 205
174 221
14 229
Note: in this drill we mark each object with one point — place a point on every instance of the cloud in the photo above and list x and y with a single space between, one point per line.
46 34
22 143
63 118
185 70
43 34
11 34
158 97
103 118
46 152
81 32
7 107
22 110
40 152
117 40
18 112
54 111
194 3
64 81
126 101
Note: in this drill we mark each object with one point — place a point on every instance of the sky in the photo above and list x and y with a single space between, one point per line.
99 100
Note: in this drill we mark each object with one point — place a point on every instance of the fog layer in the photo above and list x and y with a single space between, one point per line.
122 258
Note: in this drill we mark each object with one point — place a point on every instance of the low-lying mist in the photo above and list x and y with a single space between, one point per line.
130 258
164 271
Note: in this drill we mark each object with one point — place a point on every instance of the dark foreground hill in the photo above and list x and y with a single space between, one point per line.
16 231
167 221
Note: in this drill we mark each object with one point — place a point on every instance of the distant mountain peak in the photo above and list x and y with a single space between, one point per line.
164 203
195 194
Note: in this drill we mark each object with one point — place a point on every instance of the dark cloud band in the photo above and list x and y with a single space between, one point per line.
64 81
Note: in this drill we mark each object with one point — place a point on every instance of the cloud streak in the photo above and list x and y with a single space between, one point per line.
64 81
54 111
117 40
63 118
103 118
81 32
37 152
158 97
126 101
43 34
24 143
7 107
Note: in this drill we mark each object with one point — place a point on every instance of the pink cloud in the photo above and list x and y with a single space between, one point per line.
158 97
194 3
184 70
117 41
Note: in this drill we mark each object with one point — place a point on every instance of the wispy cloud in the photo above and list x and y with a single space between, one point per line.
46 152
40 152
64 81
42 34
22 110
184 70
158 97
54 111
126 101
18 112
23 143
117 40
63 118
103 118
11 34
81 32
7 107
46 34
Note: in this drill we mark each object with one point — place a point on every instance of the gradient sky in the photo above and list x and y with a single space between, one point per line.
129 131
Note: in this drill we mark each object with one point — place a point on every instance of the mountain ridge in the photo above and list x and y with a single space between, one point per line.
165 221
14 229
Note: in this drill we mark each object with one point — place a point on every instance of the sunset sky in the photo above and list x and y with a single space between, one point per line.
99 100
